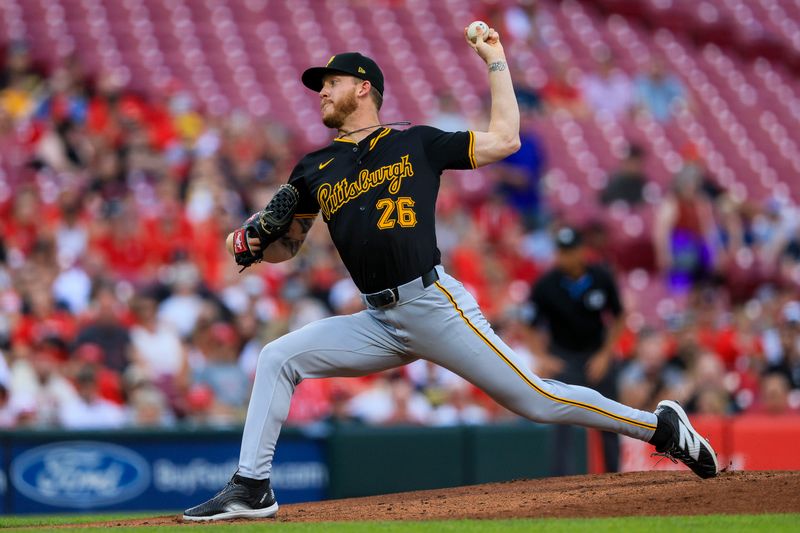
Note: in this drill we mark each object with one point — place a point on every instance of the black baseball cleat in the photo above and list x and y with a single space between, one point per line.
685 443
236 500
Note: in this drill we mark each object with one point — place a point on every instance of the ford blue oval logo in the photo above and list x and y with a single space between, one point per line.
80 474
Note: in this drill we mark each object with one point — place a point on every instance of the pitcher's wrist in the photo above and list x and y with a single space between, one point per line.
497 66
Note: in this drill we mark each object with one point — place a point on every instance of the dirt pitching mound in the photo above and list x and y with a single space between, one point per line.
639 493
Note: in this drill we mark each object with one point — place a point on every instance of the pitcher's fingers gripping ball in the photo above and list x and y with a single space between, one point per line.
477 29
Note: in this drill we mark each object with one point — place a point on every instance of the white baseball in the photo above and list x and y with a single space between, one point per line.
472 30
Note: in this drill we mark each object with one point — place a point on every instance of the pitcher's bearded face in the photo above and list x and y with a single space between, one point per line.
335 113
337 100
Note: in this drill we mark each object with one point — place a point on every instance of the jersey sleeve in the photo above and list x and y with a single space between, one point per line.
454 150
307 207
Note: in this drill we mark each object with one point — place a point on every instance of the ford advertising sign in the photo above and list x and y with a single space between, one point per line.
143 471
80 474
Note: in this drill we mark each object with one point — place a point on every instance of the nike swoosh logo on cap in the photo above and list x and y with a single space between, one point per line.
326 163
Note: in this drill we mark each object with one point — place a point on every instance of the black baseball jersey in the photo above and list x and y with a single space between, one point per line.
573 309
378 198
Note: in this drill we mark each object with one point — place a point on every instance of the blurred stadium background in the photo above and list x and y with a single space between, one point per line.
134 134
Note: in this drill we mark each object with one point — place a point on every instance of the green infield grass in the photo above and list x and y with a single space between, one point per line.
730 523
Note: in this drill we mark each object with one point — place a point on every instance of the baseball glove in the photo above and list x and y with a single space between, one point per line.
268 225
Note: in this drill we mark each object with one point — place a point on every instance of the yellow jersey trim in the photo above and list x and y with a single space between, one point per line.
343 140
305 215
382 134
527 380
471 149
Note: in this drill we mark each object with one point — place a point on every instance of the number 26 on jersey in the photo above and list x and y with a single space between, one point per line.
398 211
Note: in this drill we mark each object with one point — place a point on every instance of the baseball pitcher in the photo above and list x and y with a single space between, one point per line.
375 188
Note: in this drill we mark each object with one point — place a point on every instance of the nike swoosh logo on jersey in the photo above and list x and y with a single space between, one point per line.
326 163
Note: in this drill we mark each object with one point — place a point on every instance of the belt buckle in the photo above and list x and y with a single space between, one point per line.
394 297
385 298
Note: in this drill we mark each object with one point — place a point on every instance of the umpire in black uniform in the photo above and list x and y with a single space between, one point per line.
577 305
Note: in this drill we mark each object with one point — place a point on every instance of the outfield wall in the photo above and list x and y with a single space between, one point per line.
56 472
44 472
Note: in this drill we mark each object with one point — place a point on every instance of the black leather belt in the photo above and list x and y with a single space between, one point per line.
388 297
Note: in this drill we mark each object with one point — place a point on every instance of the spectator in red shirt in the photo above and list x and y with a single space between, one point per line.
43 319
560 92
684 232
88 409
21 226
109 384
122 243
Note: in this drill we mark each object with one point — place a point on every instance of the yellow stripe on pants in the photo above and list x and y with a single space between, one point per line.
530 383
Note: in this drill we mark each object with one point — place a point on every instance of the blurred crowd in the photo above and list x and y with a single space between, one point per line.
119 306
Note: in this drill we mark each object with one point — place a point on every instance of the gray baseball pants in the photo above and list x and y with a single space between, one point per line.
441 323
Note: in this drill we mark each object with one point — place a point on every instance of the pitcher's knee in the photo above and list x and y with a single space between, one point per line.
536 406
273 359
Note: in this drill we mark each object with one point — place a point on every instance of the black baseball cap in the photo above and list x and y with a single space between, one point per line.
567 238
350 63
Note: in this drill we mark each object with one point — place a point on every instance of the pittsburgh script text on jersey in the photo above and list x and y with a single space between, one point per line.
331 198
